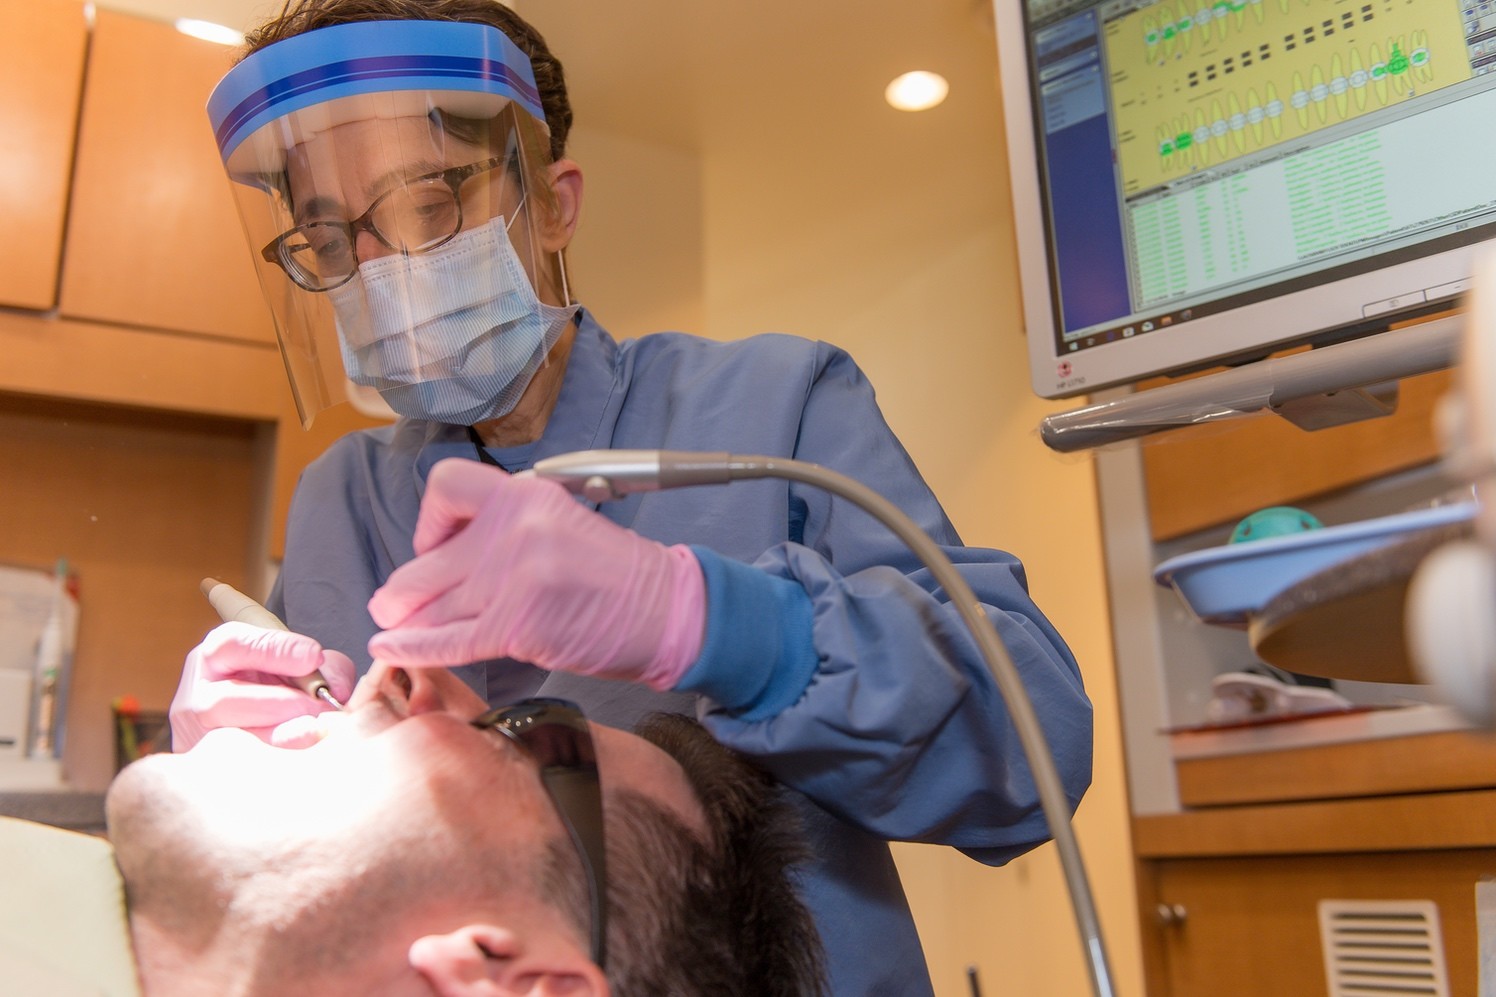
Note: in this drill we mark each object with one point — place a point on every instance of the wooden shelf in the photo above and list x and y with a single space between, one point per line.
1381 824
147 368
1419 764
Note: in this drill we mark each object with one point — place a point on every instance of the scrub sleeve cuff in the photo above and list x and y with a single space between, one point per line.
757 656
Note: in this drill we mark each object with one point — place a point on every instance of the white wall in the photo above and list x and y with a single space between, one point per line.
638 260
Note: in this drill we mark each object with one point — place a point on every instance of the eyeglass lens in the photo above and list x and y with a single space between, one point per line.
413 218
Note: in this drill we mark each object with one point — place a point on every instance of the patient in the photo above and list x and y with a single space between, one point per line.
411 852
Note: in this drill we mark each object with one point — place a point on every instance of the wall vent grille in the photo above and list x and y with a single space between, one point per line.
1376 948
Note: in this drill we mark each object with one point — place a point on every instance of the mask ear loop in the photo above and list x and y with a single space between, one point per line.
514 215
565 290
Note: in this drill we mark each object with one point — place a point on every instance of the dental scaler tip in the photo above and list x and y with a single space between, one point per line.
234 606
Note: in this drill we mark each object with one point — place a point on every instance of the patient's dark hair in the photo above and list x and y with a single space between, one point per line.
699 918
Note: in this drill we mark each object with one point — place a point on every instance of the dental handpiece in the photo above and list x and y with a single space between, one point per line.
234 606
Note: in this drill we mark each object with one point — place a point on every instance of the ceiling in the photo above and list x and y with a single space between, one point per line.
667 70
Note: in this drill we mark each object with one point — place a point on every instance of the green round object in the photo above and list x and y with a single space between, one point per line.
1277 521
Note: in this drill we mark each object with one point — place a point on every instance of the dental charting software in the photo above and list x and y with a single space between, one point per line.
1198 156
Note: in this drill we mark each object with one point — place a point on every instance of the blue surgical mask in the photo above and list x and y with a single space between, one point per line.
454 335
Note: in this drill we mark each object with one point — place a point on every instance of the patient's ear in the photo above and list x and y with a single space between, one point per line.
481 960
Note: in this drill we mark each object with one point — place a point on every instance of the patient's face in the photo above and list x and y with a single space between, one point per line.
401 798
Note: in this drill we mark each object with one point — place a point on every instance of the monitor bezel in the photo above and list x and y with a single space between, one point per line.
1331 310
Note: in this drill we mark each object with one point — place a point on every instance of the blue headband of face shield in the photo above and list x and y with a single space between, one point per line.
366 57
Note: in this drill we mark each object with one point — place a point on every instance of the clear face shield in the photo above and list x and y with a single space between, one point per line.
392 179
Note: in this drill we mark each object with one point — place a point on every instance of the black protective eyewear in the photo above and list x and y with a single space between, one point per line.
555 734
420 215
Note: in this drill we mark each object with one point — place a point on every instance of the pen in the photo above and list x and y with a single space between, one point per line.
234 606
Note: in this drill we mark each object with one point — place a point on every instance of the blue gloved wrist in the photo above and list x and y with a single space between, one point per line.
757 656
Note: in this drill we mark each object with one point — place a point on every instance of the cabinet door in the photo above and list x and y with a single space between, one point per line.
1244 927
41 75
154 239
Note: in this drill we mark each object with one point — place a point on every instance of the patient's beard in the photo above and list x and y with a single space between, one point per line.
164 857
277 917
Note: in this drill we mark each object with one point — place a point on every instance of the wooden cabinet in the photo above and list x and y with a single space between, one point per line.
154 238
41 75
154 303
1229 896
1249 926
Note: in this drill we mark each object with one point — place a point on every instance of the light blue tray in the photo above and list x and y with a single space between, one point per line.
1225 585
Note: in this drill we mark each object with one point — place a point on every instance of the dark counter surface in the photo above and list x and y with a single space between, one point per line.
77 811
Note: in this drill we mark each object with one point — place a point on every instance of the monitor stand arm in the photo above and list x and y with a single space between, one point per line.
1305 388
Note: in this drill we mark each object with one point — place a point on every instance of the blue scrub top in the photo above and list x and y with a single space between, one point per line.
900 733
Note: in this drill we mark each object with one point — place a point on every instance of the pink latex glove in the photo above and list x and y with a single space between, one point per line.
237 678
514 567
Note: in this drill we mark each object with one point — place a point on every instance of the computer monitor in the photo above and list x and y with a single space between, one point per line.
1199 182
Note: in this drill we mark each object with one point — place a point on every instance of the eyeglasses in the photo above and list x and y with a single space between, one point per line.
555 734
419 215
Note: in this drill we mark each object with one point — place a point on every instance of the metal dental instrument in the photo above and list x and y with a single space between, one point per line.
234 606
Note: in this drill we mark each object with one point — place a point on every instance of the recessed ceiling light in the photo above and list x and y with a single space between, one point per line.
209 32
917 91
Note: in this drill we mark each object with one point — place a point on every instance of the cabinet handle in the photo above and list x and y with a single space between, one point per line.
1171 914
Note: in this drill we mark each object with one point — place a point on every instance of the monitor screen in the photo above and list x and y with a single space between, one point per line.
1197 182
